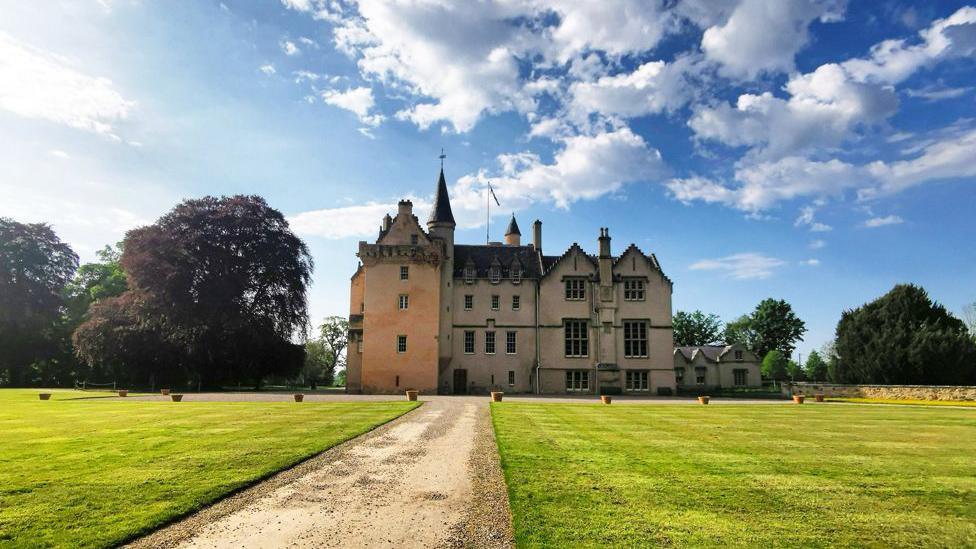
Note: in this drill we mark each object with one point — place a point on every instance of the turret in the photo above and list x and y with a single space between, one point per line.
513 236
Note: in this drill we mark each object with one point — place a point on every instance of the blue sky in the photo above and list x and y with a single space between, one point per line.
815 151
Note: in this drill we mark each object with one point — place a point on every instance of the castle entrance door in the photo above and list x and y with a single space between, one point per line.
460 382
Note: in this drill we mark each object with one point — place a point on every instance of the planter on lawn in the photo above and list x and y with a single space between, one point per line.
165 392
411 395
123 392
44 396
176 398
496 396
818 397
703 399
299 397
798 399
606 399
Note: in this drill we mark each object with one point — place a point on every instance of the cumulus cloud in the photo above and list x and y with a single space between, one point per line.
38 84
741 266
653 87
357 221
289 47
356 100
268 69
883 221
765 35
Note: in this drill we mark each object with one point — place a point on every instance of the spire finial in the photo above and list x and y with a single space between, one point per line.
442 157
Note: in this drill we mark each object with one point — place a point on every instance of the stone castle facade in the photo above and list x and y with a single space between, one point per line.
440 317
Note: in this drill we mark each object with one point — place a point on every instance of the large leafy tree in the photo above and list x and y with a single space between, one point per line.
903 337
776 326
739 331
696 328
221 280
775 365
816 367
35 267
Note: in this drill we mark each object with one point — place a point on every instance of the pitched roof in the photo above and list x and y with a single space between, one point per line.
482 257
441 212
712 353
513 227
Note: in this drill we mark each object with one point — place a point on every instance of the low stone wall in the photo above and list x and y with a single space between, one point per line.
891 392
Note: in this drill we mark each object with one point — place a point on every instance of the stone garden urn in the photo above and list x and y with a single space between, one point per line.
44 396
411 394
606 399
165 392
176 397
496 396
123 392
703 399
798 399
818 397
299 397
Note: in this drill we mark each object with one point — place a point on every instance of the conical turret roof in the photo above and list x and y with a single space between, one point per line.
513 227
441 212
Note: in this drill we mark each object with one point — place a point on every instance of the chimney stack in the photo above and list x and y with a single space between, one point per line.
387 221
405 207
606 266
604 242
537 235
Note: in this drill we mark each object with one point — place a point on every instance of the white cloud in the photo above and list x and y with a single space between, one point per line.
949 157
38 84
289 47
937 92
268 69
58 153
653 87
765 35
349 221
812 262
617 27
742 266
817 244
357 100
807 219
882 221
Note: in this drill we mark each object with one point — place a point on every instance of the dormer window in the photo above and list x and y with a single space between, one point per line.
414 239
738 355
494 275
469 275
516 274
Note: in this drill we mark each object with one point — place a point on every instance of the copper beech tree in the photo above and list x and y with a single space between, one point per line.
216 293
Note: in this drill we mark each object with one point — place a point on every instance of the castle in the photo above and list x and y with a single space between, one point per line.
439 317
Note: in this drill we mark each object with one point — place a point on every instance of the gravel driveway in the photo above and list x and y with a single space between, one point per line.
431 478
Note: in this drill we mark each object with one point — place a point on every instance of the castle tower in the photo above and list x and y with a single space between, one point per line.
513 236
441 226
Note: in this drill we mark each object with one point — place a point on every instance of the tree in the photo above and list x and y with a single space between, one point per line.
35 267
816 367
774 366
334 333
969 317
223 281
795 371
696 328
776 327
739 331
316 362
903 337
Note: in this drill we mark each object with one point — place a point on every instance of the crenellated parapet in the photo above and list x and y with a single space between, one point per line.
372 254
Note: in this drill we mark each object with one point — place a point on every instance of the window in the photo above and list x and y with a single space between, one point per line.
404 302
359 345
577 380
362 307
489 343
516 302
397 381
401 343
636 381
577 338
635 339
468 302
404 272
516 275
633 290
494 275
494 302
700 375
511 378
575 289
738 356
510 342
740 376
414 239
679 375
469 342
469 274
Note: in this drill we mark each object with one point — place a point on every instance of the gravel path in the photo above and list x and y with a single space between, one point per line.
428 479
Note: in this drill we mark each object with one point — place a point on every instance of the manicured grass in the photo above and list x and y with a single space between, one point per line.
858 400
95 472
740 475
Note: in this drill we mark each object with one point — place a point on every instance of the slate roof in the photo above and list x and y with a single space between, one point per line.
482 257
441 212
513 227
711 352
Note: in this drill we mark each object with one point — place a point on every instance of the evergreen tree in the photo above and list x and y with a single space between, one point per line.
816 367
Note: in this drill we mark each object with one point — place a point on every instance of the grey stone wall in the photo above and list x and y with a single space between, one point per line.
893 392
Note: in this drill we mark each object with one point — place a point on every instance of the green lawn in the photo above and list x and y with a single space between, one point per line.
95 472
741 475
858 400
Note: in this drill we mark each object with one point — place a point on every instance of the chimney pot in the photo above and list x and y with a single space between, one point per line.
537 235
